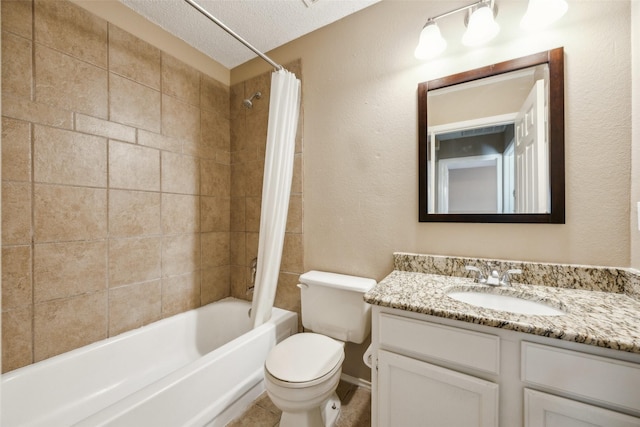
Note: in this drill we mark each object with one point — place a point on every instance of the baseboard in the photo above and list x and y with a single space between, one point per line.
356 381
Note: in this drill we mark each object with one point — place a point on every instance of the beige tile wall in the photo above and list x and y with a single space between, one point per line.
116 182
248 137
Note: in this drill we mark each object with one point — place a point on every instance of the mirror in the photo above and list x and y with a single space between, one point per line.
491 143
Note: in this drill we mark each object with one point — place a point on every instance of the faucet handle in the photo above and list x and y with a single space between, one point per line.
505 279
480 277
254 270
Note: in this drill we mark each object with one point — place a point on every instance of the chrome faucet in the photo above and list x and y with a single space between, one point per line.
480 278
505 278
492 276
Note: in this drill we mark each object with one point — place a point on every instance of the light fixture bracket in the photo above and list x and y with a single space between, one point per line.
491 3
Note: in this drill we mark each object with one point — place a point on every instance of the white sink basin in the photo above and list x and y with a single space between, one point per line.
512 304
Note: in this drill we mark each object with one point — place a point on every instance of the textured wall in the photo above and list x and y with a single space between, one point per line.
361 198
635 144
115 182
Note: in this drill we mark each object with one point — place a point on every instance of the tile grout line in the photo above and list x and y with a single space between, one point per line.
32 186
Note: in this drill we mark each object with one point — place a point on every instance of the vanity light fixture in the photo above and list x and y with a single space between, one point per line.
431 42
481 27
481 24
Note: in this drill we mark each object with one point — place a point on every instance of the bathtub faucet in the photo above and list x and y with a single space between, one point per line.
254 269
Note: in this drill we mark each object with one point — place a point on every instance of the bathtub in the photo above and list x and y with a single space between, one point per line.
199 368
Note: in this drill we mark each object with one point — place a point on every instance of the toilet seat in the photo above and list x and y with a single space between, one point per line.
304 358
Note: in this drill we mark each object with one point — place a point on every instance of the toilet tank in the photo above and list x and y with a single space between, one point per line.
333 305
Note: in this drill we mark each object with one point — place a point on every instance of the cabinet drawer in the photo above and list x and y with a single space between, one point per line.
608 381
458 346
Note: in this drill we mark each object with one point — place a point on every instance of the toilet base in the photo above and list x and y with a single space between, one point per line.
331 410
324 415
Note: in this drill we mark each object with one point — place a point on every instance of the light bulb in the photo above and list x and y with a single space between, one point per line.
431 42
481 28
541 13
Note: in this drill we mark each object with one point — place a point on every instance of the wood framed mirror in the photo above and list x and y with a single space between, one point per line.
491 143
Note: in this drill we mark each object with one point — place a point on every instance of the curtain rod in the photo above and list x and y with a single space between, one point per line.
234 34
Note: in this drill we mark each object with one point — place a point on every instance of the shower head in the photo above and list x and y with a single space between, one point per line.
247 103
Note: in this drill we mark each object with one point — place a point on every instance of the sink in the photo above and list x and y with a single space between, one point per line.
510 303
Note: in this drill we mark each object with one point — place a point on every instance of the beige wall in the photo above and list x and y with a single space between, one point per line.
360 80
115 182
635 144
0 190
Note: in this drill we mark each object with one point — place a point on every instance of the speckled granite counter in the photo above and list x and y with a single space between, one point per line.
571 276
604 319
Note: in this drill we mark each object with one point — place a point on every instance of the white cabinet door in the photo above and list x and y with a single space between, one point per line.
412 393
547 410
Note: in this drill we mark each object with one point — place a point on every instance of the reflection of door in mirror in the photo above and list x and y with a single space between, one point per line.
470 184
531 152
509 190
469 163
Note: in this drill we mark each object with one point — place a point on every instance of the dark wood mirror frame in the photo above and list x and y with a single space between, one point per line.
555 60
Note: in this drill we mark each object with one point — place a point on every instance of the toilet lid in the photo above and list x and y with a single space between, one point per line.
304 357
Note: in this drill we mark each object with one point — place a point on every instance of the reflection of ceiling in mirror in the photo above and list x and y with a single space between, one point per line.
491 96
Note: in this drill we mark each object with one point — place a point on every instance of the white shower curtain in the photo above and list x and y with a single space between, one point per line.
284 109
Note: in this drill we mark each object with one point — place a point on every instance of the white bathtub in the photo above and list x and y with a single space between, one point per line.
199 368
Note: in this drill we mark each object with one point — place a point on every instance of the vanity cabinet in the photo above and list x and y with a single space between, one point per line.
416 393
432 371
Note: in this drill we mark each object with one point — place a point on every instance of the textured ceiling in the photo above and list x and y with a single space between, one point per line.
266 24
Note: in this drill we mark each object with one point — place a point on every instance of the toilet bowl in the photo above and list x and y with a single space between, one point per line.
301 376
303 371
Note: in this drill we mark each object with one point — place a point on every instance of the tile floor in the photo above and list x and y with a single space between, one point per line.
355 412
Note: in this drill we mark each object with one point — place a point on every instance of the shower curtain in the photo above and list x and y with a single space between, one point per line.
284 108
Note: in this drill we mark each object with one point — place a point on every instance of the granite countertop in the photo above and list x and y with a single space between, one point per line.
603 319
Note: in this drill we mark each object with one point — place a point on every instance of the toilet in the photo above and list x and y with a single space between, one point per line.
302 372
